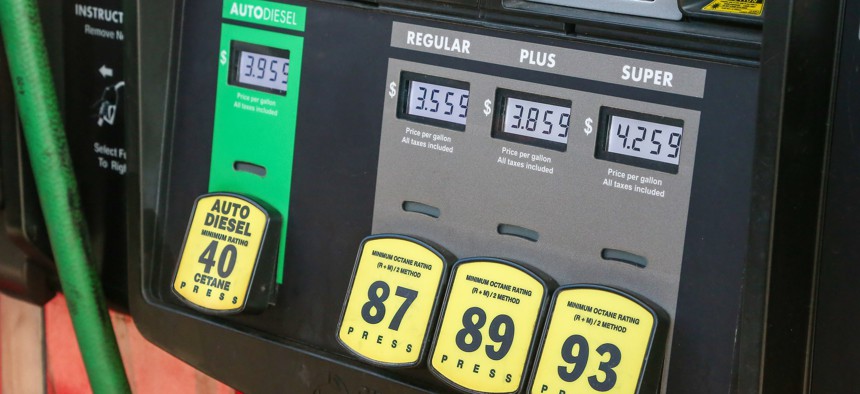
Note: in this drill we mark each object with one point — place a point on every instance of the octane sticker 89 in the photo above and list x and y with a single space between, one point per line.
488 326
220 253
597 340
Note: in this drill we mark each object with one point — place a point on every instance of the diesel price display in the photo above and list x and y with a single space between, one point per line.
532 119
260 68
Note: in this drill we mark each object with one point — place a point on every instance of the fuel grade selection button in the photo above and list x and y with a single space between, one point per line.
600 340
488 325
228 256
392 300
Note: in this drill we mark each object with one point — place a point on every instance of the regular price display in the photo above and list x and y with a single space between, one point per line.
488 326
220 253
438 102
599 340
389 310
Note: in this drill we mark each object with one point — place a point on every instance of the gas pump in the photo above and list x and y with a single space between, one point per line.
485 197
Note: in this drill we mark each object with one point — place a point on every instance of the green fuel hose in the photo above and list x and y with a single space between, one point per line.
58 194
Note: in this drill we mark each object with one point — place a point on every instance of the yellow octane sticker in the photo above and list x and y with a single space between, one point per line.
394 292
596 342
220 252
742 7
488 327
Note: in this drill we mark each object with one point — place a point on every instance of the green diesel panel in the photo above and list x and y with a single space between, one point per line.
255 126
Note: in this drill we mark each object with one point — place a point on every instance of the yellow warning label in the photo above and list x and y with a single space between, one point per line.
394 292
743 7
488 327
220 252
597 342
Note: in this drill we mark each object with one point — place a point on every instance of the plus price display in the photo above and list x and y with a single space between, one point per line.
537 120
597 340
487 327
221 257
389 309
531 119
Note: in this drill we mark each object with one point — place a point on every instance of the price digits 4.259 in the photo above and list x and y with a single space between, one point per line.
631 141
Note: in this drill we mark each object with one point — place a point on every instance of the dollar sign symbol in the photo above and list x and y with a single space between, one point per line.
588 129
223 57
488 107
392 89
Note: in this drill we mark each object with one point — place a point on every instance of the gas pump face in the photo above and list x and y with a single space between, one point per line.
363 199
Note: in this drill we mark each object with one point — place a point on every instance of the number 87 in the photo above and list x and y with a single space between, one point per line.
373 311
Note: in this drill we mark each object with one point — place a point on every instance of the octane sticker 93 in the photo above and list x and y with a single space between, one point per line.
220 252
597 340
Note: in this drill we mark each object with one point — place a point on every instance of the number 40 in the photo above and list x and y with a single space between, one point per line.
226 260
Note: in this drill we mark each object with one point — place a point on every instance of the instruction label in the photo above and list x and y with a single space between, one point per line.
488 326
220 252
742 7
597 341
395 290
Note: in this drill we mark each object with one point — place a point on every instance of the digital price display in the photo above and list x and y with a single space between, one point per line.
598 339
532 119
392 300
259 67
638 139
433 100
